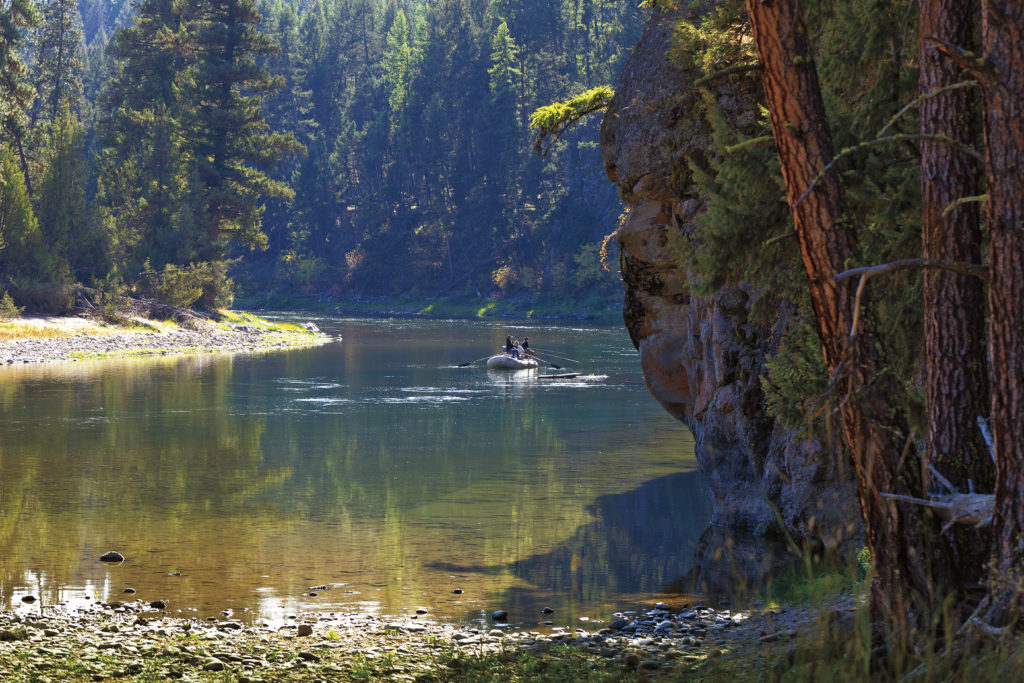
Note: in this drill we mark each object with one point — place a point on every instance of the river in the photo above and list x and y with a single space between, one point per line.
370 474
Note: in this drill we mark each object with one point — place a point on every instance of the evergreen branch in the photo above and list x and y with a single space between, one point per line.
964 200
878 141
554 119
921 98
752 142
743 68
979 66
779 238
867 272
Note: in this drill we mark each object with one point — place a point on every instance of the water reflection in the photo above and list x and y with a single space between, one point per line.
636 545
373 466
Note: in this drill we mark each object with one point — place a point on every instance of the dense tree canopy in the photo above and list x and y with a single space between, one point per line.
335 148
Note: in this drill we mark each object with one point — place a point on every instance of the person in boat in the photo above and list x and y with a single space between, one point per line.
526 346
511 347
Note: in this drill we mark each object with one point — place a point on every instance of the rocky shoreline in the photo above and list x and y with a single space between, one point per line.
40 340
135 641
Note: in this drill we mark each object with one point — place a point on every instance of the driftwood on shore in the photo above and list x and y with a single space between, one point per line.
94 303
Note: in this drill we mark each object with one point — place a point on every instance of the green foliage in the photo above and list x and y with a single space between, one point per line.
15 93
22 250
552 120
61 207
718 41
796 383
745 234
56 66
205 283
43 298
414 116
742 236
8 309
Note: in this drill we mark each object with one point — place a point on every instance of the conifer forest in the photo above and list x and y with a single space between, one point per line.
342 149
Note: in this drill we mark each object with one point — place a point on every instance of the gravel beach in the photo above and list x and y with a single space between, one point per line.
38 340
135 641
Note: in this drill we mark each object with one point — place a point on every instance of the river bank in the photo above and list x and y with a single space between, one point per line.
44 339
137 642
597 309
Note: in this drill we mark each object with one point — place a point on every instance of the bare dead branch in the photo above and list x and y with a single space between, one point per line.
903 264
972 269
941 479
956 508
986 628
987 436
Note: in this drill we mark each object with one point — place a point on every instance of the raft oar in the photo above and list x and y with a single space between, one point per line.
552 353
556 367
462 365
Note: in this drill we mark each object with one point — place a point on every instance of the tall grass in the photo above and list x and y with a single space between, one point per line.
839 645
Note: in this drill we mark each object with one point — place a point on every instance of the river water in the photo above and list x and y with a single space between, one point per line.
372 466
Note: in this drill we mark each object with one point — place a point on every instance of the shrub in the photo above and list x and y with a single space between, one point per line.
8 309
44 298
205 284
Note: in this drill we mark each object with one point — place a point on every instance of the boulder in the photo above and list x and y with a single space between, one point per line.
703 357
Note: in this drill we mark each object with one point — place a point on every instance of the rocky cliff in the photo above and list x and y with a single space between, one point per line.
702 357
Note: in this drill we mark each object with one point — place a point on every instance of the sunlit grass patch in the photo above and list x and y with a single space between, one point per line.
10 331
23 329
231 319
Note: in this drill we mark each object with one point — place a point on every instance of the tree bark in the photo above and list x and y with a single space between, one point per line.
956 373
902 593
1002 79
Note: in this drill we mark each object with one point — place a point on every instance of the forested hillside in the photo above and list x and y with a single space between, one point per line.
342 149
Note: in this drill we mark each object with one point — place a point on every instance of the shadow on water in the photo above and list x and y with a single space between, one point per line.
638 542
648 544
729 567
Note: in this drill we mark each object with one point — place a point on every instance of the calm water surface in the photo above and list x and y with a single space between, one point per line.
371 465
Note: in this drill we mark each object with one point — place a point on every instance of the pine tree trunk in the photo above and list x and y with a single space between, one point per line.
902 592
1003 87
956 373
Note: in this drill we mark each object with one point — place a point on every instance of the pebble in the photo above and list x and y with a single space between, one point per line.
109 643
618 624
180 340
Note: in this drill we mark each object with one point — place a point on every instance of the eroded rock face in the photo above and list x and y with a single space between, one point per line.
702 357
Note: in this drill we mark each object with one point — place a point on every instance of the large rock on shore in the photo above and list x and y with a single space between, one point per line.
702 356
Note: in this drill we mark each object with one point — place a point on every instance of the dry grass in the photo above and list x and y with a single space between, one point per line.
42 328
